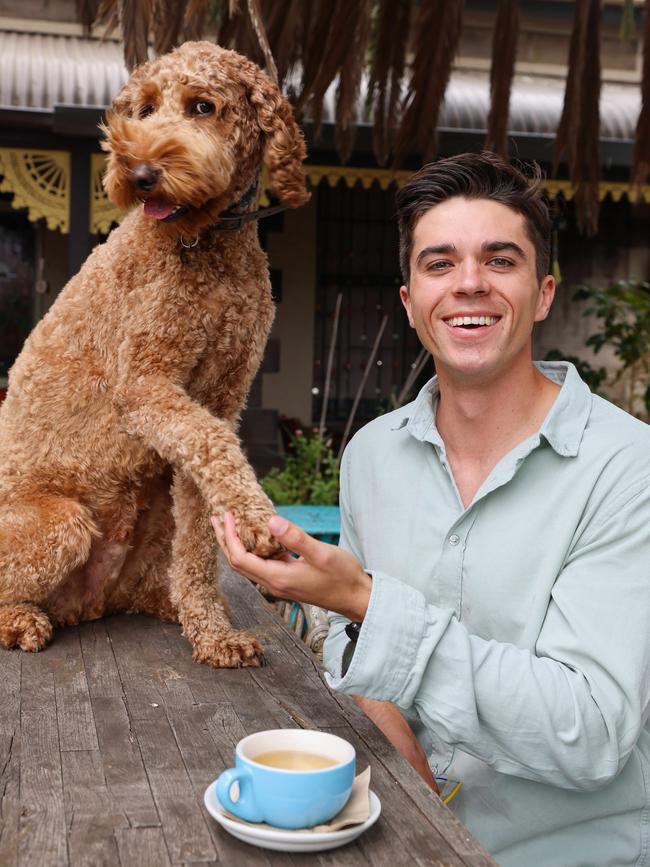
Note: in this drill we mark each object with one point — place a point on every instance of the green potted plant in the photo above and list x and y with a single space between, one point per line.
306 489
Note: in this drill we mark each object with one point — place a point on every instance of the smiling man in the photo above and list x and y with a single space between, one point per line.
492 585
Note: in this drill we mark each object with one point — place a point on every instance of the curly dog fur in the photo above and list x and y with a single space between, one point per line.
118 436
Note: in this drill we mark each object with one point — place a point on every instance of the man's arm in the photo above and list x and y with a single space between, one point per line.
567 714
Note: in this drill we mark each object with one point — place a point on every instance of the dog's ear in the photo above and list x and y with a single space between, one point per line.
285 144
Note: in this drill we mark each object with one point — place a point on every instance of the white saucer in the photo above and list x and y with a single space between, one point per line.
283 840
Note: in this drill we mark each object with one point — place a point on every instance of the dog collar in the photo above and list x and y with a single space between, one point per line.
234 217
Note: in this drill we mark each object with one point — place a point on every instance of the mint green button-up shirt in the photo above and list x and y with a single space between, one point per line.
514 634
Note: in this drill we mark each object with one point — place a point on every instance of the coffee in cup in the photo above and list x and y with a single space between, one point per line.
289 778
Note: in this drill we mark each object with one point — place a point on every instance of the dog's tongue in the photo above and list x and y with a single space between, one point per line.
158 208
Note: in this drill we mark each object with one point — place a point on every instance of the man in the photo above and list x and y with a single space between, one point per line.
497 536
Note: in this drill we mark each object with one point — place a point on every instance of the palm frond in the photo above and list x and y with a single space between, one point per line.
641 158
135 21
350 77
167 23
393 19
438 29
195 18
504 52
579 130
284 24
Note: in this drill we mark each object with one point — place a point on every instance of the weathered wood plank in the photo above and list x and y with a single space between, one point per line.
91 813
142 847
141 653
73 708
124 771
9 757
42 837
186 834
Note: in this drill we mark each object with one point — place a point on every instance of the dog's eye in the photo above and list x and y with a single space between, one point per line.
146 110
202 107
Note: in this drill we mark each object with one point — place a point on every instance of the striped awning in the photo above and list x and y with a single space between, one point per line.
40 71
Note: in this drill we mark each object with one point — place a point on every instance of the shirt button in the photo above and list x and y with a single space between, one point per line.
454 539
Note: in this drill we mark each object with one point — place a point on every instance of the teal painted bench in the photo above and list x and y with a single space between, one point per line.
323 522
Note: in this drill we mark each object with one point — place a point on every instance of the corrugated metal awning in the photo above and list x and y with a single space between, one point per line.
40 71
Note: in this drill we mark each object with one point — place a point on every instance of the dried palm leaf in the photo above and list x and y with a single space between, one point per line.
255 15
350 76
86 14
504 52
284 24
349 28
641 158
167 22
237 32
195 18
388 66
438 29
579 130
107 15
317 42
135 21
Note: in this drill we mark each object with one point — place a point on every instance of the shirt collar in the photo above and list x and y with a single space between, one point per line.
563 427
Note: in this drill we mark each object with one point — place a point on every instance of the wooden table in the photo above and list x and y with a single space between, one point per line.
109 738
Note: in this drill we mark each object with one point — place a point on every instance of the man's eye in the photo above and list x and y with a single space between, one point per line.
439 265
500 262
146 110
202 108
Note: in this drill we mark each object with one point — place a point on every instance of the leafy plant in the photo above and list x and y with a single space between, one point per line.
310 474
623 309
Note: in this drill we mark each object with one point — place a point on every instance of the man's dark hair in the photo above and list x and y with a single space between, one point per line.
475 176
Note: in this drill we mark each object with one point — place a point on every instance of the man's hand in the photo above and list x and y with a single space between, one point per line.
321 574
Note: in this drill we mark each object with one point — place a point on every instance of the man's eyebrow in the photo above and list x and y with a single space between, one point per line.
433 249
500 246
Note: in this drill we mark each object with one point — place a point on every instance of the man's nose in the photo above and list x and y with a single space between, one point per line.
145 177
471 280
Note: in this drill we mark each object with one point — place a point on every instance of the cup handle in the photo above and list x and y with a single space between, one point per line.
245 806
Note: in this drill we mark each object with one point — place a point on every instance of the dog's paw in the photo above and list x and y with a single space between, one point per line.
24 626
229 650
256 536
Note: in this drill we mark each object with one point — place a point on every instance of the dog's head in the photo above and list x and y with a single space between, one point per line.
188 132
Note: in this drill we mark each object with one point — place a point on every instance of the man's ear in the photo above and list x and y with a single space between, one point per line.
285 144
406 301
545 297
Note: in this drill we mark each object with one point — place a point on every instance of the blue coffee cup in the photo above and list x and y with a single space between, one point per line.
288 798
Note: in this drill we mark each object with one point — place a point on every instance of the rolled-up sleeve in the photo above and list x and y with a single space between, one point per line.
567 714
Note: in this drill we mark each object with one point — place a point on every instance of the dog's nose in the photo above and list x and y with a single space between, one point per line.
145 177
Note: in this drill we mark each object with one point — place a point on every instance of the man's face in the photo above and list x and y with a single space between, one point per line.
474 294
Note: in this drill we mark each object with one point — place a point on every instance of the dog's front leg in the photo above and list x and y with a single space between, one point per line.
194 587
203 447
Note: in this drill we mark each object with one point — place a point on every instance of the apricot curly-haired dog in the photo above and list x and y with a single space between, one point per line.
118 436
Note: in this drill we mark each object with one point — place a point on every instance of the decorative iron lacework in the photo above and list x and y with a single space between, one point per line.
103 213
40 182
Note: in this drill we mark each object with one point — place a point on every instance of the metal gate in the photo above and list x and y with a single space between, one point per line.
357 255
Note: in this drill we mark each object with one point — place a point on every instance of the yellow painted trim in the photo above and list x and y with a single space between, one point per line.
103 213
40 182
385 178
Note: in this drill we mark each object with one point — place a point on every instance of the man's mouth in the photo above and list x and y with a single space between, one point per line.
164 210
471 322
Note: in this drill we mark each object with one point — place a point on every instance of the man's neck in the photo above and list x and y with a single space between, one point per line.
481 422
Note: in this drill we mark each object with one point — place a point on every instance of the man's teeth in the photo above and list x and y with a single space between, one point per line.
472 320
